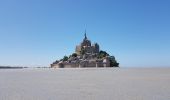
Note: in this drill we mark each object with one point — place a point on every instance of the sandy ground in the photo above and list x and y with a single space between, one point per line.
85 84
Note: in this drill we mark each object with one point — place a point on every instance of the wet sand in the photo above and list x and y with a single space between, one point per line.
85 84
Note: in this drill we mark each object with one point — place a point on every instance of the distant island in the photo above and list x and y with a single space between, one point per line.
86 55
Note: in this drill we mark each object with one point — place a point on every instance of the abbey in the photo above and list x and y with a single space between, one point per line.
86 55
86 47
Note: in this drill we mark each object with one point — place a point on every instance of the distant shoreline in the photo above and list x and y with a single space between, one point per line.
9 67
18 67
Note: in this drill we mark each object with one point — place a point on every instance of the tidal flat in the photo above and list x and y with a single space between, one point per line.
85 84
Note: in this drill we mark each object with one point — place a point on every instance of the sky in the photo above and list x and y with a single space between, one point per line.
38 32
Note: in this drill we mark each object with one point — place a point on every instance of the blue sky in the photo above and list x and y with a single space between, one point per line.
37 32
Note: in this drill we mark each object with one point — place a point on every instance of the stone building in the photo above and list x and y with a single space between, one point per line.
86 47
86 56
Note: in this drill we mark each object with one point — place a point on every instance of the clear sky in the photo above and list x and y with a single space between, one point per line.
37 32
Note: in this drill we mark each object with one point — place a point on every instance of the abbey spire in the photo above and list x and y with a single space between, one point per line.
85 36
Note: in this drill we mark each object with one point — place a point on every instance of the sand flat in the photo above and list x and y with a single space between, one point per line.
85 84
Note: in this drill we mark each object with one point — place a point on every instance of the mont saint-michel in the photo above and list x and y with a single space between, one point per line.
86 55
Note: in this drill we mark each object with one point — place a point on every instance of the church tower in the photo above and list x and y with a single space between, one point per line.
86 42
86 47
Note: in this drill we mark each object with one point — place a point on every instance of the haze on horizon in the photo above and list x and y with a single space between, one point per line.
38 32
